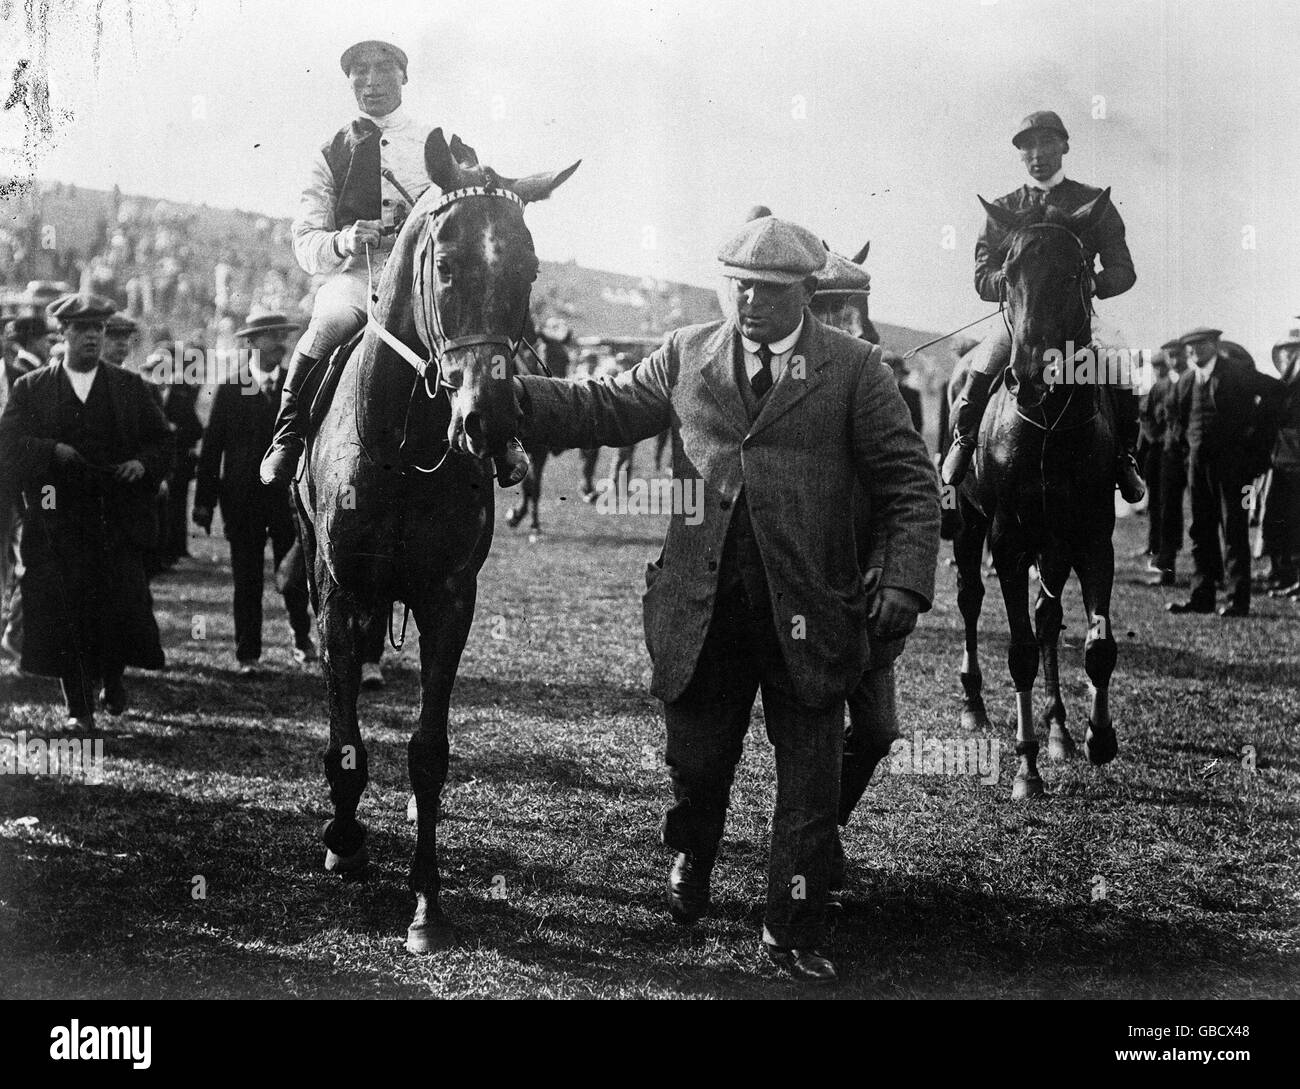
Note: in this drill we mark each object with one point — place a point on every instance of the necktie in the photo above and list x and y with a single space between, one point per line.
761 382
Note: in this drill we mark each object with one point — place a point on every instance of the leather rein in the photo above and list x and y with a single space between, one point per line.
1085 298
432 335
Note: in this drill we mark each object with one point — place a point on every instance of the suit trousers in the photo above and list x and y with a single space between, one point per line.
247 563
1281 524
706 729
1152 461
1169 511
872 731
1219 503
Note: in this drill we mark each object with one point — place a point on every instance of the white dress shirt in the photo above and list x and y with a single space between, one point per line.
81 380
401 150
781 350
1203 373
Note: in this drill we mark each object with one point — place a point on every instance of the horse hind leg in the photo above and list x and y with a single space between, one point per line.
1100 653
968 551
345 759
1047 625
444 622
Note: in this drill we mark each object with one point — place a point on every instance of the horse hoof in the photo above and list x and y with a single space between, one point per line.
1060 748
347 865
429 937
1101 746
976 722
1026 787
412 810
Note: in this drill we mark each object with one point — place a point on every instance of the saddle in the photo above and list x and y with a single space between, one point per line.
319 388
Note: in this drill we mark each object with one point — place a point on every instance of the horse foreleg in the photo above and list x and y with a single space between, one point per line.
1096 578
346 763
1052 574
534 486
1022 661
444 620
968 551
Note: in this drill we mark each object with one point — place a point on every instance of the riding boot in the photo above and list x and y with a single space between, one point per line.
281 460
1131 485
513 465
967 413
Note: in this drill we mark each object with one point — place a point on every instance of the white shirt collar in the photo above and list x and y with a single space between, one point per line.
779 347
1050 184
81 380
394 120
1203 373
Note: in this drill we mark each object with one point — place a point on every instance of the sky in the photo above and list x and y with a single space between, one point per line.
860 120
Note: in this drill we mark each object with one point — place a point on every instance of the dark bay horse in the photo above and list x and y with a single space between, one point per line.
1042 488
396 493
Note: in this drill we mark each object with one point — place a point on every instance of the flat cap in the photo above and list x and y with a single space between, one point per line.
1201 332
1045 120
350 54
81 306
120 324
842 277
772 249
265 323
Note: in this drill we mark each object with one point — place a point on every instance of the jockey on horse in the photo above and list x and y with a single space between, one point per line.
1042 141
363 184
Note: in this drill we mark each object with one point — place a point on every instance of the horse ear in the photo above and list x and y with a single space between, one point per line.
862 254
1089 215
462 152
1003 217
539 186
438 162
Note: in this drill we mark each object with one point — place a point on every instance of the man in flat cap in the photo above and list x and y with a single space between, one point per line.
89 446
1281 525
178 393
119 332
363 183
28 339
1042 142
243 415
776 416
1229 419
1165 463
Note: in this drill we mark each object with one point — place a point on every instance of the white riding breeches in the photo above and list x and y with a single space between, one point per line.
338 312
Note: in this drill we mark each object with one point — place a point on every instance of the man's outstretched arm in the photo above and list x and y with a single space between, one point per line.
618 411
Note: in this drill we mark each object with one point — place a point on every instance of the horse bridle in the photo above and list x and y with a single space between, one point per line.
433 338
1085 299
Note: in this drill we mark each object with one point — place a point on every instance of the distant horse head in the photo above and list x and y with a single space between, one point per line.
473 270
1047 265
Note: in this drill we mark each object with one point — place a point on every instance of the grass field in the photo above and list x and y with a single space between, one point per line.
1170 873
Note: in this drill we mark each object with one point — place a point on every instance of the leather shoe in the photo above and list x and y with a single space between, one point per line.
1164 578
113 698
805 965
688 888
1193 606
1234 610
